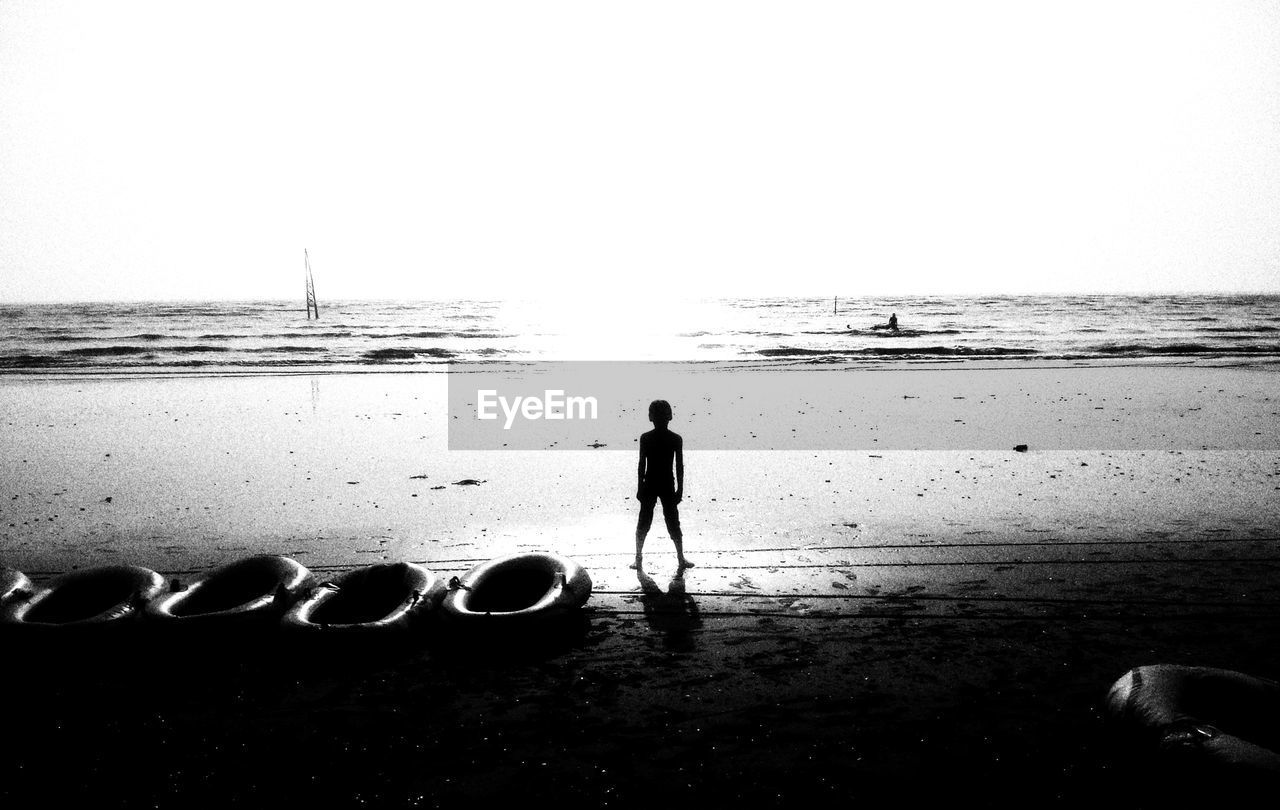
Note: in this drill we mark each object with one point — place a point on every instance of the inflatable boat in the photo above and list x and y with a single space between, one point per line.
92 598
254 590
1201 722
374 601
516 591
14 584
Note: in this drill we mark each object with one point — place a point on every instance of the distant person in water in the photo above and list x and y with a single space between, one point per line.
893 321
659 450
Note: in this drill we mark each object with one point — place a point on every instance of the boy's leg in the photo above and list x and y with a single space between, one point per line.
642 526
671 514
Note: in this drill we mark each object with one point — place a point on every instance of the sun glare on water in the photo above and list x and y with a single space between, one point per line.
642 326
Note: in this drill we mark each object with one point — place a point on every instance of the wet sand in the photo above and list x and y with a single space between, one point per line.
900 624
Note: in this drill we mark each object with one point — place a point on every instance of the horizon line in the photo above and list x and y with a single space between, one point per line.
754 296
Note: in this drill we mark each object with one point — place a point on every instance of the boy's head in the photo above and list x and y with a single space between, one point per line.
659 411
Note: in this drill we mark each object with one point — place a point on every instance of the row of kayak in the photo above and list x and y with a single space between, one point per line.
514 591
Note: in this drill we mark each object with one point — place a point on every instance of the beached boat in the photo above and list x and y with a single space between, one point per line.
1201 720
517 590
92 598
377 600
254 590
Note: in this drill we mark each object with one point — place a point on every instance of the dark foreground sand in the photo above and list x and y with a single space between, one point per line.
905 626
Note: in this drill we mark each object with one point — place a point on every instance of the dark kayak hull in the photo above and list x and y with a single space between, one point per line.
516 591
1198 728
385 600
252 591
91 599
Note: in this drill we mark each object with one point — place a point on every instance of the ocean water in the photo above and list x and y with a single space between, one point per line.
267 335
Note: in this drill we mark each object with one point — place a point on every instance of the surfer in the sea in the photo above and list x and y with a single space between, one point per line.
660 448
891 326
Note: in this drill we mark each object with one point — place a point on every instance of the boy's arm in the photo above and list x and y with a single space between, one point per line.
679 469
640 469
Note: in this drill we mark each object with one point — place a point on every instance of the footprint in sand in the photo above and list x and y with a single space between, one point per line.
467 482
744 582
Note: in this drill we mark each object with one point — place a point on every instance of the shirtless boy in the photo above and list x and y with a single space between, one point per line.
659 450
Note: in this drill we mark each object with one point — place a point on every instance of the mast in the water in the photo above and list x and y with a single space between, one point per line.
312 306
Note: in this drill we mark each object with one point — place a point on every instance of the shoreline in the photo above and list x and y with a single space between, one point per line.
1012 362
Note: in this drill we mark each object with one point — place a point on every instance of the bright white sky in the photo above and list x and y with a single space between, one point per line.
191 150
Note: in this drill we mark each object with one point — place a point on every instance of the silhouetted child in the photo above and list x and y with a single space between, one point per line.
659 449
